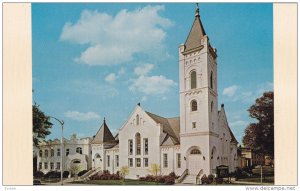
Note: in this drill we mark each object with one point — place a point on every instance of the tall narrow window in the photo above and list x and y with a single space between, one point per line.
46 153
40 165
211 80
130 146
165 159
58 152
117 160
52 152
46 165
108 160
137 119
79 150
178 156
211 106
145 162
138 162
138 143
58 165
67 152
51 165
194 105
194 125
193 79
130 162
40 153
145 146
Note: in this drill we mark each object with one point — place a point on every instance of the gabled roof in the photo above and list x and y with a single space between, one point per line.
171 126
232 137
197 31
103 135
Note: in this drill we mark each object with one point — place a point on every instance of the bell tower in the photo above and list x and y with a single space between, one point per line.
198 81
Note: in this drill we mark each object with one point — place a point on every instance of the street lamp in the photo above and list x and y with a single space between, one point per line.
61 147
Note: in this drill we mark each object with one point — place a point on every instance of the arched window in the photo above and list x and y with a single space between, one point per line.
46 153
193 79
97 156
211 106
138 143
137 119
79 150
195 152
76 161
211 80
52 152
194 105
41 153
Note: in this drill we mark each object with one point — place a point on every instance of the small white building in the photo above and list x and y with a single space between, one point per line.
75 151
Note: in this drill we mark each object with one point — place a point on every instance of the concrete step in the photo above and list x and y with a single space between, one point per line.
189 179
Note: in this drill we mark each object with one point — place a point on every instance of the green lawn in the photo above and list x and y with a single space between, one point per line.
116 182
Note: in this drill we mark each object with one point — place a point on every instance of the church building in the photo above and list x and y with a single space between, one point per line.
194 143
191 145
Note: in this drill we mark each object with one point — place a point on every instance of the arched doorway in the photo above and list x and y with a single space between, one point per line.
194 160
97 161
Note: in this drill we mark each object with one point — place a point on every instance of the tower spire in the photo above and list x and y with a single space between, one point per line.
197 11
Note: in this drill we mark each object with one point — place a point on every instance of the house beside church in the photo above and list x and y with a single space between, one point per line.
192 144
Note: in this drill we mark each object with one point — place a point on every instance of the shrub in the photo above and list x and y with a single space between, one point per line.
106 176
210 178
169 180
204 179
150 178
66 174
38 174
219 180
172 174
160 179
36 182
52 174
82 172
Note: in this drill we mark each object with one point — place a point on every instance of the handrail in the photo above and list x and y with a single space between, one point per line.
185 172
198 175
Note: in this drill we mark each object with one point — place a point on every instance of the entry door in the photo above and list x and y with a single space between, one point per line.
194 164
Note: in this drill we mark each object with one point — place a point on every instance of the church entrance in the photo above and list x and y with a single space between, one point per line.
194 161
97 161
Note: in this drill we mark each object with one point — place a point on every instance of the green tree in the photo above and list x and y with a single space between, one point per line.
259 136
75 169
124 171
41 124
154 169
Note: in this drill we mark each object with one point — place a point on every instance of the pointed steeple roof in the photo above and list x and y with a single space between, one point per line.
103 135
196 33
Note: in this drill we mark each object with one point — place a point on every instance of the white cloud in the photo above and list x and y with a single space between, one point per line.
110 78
267 86
230 91
121 71
116 39
143 69
144 98
79 116
152 85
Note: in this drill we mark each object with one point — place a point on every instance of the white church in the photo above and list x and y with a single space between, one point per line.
190 145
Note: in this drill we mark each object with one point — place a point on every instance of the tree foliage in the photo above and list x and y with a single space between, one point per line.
154 169
260 136
41 124
124 171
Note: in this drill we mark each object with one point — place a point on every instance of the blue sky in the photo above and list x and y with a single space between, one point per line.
77 78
